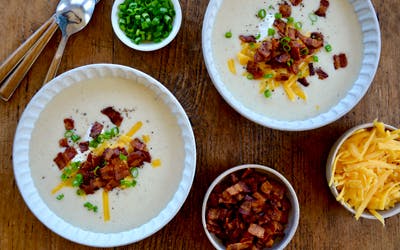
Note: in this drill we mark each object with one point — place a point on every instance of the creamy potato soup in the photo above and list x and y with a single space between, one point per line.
341 30
155 186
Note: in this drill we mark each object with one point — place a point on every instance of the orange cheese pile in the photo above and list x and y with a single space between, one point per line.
366 170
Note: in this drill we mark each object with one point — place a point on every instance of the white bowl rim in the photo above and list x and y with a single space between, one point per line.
295 204
30 193
146 46
329 164
371 35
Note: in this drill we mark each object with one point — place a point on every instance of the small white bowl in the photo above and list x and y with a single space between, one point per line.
146 46
294 214
331 159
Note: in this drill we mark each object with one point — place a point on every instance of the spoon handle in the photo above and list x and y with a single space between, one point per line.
55 63
11 61
15 78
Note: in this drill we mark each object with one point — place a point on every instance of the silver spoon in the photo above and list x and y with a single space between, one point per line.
71 16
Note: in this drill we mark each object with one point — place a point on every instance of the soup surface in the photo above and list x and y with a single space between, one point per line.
155 186
341 30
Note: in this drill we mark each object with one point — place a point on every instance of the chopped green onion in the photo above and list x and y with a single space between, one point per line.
261 13
114 131
267 76
285 40
75 165
304 51
60 197
90 207
128 183
278 15
313 18
250 76
228 34
271 7
298 25
271 32
315 58
77 180
290 62
146 20
134 172
258 36
75 137
328 48
123 157
68 133
267 93
95 170
289 20
286 47
80 192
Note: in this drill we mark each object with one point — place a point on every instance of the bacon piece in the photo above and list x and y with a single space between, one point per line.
238 246
121 169
323 7
285 9
295 2
253 69
96 129
248 39
63 159
237 188
321 74
340 61
114 115
138 145
282 77
303 81
264 52
69 124
280 25
83 146
256 230
63 142
311 69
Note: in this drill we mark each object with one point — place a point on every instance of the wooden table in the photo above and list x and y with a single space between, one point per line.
223 137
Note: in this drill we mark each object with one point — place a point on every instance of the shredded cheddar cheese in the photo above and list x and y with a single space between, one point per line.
156 163
134 129
231 66
366 170
106 207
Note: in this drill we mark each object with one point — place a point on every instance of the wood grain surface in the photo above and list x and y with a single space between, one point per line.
223 137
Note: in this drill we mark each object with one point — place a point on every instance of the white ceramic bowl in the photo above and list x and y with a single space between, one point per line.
74 80
329 165
371 43
146 46
290 228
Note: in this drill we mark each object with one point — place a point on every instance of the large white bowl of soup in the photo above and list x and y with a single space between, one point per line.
147 198
350 30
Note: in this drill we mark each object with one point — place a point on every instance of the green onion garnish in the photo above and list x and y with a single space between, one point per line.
290 62
290 19
77 180
80 192
278 15
271 32
228 34
298 25
313 18
261 13
285 40
286 47
250 76
134 172
75 137
304 51
328 48
146 20
90 207
267 93
267 76
315 58
60 197
123 157
258 36
68 133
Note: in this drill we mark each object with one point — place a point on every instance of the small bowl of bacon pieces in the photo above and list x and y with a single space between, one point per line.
250 206
363 171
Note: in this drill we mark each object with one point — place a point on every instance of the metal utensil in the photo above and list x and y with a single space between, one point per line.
71 16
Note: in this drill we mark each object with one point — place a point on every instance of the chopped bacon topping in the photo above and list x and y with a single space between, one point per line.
280 25
311 69
253 69
340 61
303 81
285 9
63 159
96 129
321 74
83 146
63 142
114 115
295 2
69 124
247 211
247 39
323 7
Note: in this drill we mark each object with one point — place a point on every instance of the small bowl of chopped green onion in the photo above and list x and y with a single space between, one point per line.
146 25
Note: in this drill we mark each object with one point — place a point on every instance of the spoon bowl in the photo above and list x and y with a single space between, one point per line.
71 16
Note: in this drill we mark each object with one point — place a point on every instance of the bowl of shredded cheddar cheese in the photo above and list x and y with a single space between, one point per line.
363 171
